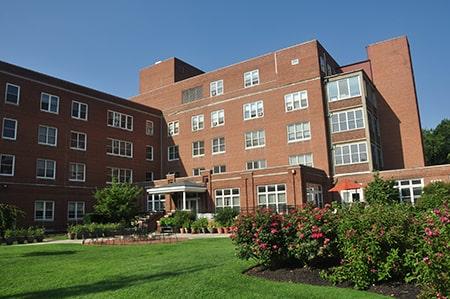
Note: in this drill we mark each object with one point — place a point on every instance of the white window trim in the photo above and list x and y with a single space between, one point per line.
120 114
348 84
231 195
219 167
13 165
276 193
254 146
251 82
298 140
173 123
219 152
87 111
45 204
293 108
211 88
212 119
200 169
56 136
76 210
149 146
85 141
198 155
152 198
168 153
259 164
197 117
257 114
49 104
410 186
147 122
15 129
111 170
302 155
120 155
54 170
346 111
18 94
349 144
84 172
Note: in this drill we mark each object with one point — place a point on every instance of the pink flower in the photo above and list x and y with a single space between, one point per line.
373 270
273 231
302 236
444 219
428 232
326 241
263 245
275 246
427 260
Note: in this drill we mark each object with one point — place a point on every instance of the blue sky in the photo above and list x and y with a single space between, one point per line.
103 44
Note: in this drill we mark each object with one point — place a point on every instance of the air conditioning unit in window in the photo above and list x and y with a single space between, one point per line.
260 114
289 108
215 123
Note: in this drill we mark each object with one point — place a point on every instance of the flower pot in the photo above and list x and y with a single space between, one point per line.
204 230
194 231
71 236
226 230
181 230
220 230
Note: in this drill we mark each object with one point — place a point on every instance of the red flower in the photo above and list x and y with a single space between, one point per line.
273 231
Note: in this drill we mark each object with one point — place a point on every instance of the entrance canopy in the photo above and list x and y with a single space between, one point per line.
185 186
345 185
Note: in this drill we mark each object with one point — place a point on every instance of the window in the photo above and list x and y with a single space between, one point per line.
77 172
251 78
119 148
120 175
218 145
173 128
347 120
198 148
350 153
45 169
304 159
217 118
12 94
253 110
79 110
272 197
255 139
256 164
47 135
216 88
227 198
149 176
75 210
9 129
173 153
49 103
294 61
299 132
120 120
44 210
78 140
198 122
296 100
409 190
314 195
155 202
149 153
219 169
343 89
149 128
7 164
197 171
191 94
323 64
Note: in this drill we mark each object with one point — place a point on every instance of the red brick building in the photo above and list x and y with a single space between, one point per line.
277 130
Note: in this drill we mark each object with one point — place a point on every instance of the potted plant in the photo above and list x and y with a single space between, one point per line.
71 232
203 224
187 226
225 218
30 235
10 236
39 234
195 227
21 235
212 226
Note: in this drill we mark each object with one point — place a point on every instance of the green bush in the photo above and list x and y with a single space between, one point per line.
183 219
200 223
95 229
434 195
381 191
10 233
9 215
225 217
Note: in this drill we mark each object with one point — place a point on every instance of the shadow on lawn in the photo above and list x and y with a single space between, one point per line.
114 283
47 253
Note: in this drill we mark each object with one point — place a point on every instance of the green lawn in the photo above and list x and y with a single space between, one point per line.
198 268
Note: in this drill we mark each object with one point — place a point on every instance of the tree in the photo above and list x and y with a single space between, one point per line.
381 191
9 214
437 143
117 202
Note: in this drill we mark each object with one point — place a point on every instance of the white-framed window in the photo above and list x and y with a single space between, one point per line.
253 110
9 130
149 176
197 171
295 61
47 135
296 100
149 128
251 78
256 164
7 164
409 190
343 89
254 139
347 120
77 172
44 210
219 169
173 153
198 122
272 197
303 159
49 103
75 210
79 110
149 153
198 148
120 120
173 128
218 145
12 94
156 202
299 132
78 140
216 88
227 198
217 118
119 148
352 196
314 195
45 169
121 175
350 153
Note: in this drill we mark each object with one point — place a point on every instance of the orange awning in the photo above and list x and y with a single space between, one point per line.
345 185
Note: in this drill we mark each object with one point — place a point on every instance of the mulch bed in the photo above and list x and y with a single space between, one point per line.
312 276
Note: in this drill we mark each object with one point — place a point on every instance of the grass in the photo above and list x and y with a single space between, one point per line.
190 269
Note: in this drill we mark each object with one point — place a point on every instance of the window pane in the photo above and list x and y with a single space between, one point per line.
354 86
343 89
